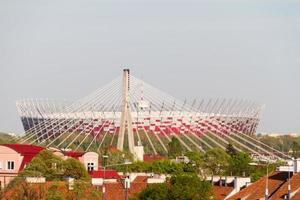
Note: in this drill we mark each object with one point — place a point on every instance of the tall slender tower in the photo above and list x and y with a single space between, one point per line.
126 120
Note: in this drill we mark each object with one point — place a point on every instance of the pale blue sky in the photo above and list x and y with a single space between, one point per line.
64 49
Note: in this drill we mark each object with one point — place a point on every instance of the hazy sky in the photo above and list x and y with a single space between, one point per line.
65 49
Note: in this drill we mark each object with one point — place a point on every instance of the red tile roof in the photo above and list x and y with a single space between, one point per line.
73 154
116 191
109 174
28 151
257 189
140 179
283 190
220 192
25 149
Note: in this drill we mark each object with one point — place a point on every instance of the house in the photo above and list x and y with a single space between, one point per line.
13 159
98 176
224 187
116 190
276 184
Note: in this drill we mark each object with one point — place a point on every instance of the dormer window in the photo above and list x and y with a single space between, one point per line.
10 165
90 166
54 166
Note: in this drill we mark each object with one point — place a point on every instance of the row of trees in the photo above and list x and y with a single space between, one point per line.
180 187
212 162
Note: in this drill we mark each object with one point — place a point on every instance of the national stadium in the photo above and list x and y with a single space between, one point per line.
132 115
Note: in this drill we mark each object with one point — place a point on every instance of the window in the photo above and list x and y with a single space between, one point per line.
90 166
54 166
10 165
1 165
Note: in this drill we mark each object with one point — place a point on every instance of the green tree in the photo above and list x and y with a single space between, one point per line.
53 193
45 164
295 149
174 148
216 161
196 159
187 187
230 149
155 192
239 164
75 169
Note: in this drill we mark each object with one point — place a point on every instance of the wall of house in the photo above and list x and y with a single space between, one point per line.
8 154
90 157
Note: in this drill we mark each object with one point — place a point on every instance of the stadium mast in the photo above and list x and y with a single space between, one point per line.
126 119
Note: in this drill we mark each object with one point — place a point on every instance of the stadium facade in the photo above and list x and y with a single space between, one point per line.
148 116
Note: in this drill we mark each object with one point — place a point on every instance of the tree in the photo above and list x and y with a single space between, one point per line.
196 159
155 192
187 186
230 149
45 164
174 148
215 160
181 187
295 149
239 164
53 193
115 156
75 169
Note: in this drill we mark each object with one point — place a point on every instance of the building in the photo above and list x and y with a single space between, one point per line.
283 184
15 157
150 116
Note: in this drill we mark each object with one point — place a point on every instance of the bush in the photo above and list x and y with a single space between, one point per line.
75 169
181 187
155 192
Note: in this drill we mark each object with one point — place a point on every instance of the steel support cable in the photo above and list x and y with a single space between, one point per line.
157 92
116 102
191 123
255 140
185 135
108 95
91 102
152 146
220 137
149 139
191 140
113 136
243 104
211 139
181 141
135 106
76 103
66 109
192 132
217 135
241 144
159 140
90 132
102 141
166 135
53 128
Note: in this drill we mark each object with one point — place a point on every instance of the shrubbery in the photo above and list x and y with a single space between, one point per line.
180 187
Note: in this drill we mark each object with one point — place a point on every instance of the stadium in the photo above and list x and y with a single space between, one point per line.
132 115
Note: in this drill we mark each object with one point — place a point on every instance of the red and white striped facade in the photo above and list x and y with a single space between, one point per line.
152 112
